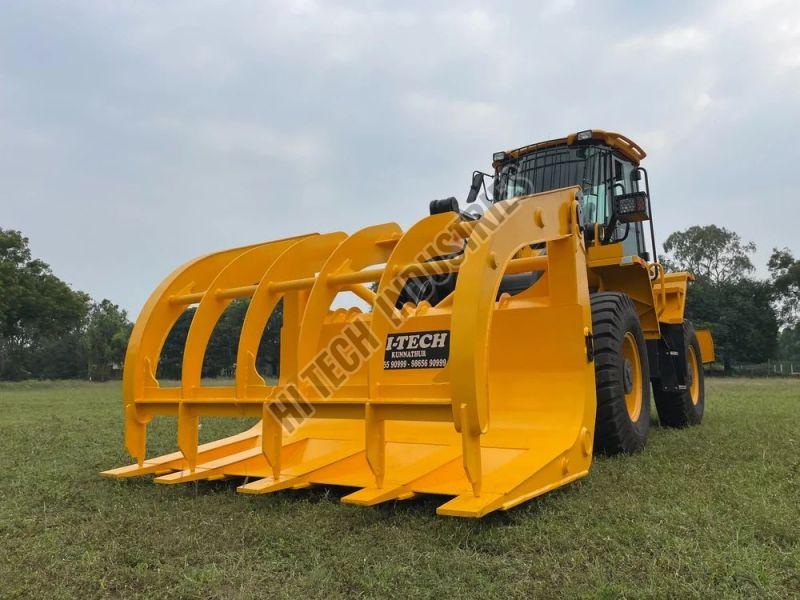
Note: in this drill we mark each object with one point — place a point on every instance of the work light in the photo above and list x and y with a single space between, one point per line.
631 208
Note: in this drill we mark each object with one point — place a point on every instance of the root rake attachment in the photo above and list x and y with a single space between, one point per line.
483 396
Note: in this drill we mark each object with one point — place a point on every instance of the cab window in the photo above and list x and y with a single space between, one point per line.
595 200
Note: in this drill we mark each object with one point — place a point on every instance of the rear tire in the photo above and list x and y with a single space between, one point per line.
622 375
684 407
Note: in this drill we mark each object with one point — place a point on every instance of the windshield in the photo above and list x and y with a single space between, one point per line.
594 169
547 169
553 168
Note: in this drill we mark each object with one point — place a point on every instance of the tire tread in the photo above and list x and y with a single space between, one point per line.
614 431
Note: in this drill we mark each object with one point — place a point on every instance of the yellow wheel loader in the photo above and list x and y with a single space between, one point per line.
483 355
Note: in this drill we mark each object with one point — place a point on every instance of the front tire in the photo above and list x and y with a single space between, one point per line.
685 407
622 375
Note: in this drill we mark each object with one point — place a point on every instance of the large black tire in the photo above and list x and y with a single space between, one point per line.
684 407
623 388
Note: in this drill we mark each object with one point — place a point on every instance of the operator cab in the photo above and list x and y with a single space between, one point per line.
614 205
604 165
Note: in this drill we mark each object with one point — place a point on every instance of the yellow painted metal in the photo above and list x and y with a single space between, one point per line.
149 333
694 375
659 297
633 376
669 291
509 416
610 271
627 147
706 343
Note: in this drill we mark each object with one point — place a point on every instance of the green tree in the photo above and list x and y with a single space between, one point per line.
738 309
169 365
789 343
220 355
710 253
785 274
39 314
62 357
741 317
220 358
269 350
106 338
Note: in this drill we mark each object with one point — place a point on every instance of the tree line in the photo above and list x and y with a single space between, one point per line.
752 319
220 358
50 331
47 329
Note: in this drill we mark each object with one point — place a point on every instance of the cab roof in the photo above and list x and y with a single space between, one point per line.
625 146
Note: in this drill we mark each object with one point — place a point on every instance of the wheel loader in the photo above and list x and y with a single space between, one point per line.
483 354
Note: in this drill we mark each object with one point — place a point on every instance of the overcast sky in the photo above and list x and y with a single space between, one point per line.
135 136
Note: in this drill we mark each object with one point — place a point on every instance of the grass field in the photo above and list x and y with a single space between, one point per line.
710 511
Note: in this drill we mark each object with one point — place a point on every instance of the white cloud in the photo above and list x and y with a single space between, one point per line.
556 8
667 43
247 140
449 115
475 22
311 115
703 101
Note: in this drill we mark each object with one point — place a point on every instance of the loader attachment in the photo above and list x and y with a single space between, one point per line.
484 396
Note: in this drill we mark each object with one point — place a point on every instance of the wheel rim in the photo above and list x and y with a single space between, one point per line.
632 376
693 371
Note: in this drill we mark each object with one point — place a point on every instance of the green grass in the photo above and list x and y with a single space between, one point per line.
709 511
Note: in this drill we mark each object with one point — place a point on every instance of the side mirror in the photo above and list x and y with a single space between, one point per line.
477 182
631 208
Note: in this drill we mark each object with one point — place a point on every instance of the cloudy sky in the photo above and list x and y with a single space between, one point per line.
137 135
